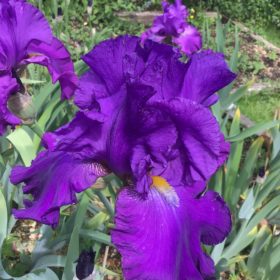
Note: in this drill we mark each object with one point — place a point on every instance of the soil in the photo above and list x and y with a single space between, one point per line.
270 58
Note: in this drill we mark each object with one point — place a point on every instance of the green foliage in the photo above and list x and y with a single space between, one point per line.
262 12
251 65
254 201
80 27
260 106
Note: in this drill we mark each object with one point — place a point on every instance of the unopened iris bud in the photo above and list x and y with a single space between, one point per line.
59 16
89 7
21 105
262 172
59 12
85 264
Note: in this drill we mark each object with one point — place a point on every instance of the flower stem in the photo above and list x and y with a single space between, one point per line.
103 199
37 129
106 203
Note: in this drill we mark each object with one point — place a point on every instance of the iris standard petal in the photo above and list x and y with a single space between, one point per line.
121 130
117 62
114 61
158 240
207 73
8 86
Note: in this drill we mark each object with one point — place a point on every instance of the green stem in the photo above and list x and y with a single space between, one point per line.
106 203
37 129
103 199
89 194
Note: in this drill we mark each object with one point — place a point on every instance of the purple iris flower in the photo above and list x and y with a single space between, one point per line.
26 38
142 112
172 23
143 115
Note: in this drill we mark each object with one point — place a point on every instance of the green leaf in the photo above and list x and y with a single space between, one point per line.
247 208
73 249
217 252
23 144
257 250
95 222
272 182
231 192
97 236
248 231
31 82
3 217
44 94
232 98
249 165
216 110
258 128
225 97
235 125
40 274
234 57
220 35
50 261
262 213
3 231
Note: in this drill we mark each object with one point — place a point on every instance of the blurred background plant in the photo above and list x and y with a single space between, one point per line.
248 112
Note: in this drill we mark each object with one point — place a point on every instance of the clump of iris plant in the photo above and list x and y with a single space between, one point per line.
172 25
26 38
144 115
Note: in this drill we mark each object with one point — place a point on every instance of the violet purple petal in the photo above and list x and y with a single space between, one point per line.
172 24
189 41
207 73
20 24
70 165
117 62
8 86
57 59
53 179
182 139
158 240
26 38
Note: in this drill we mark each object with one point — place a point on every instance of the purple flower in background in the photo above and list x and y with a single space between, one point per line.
143 115
172 23
26 38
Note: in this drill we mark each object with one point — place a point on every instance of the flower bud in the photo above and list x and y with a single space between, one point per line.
85 264
21 105
89 7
